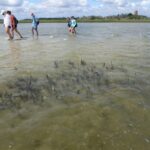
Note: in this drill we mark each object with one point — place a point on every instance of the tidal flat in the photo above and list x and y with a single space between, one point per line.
83 92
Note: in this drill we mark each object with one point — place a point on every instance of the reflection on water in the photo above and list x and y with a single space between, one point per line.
15 54
83 92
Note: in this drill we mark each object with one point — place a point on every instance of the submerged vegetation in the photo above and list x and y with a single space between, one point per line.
75 107
75 80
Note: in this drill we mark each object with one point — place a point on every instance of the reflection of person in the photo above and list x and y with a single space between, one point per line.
14 22
7 23
15 54
35 23
73 23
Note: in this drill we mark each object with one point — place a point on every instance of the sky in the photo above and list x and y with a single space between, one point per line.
63 8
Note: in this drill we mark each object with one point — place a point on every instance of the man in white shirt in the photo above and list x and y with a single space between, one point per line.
7 24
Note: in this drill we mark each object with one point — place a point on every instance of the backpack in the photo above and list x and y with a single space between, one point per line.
16 20
37 21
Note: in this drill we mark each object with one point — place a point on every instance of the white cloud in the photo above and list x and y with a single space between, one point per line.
119 3
55 8
145 2
61 8
64 3
11 2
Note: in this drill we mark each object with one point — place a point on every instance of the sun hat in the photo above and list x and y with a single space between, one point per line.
2 12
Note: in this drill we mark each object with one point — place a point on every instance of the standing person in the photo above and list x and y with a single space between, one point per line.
14 23
35 23
7 24
73 25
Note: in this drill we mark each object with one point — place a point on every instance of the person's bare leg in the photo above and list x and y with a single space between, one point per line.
75 31
37 33
32 31
71 30
18 33
7 30
12 33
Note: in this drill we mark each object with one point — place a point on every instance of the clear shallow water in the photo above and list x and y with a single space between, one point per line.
119 43
114 116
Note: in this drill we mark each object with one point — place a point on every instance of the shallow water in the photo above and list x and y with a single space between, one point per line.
89 91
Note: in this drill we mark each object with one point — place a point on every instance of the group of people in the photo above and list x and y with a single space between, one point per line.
11 22
72 24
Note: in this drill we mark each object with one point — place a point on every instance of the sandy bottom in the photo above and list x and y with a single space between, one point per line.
78 106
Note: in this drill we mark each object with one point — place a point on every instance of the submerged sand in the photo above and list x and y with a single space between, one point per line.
77 106
84 92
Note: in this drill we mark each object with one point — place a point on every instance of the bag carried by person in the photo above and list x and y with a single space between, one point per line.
37 21
16 20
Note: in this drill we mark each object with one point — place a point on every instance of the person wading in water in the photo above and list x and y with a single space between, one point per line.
7 24
35 23
14 23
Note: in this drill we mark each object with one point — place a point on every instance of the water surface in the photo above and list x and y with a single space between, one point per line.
89 91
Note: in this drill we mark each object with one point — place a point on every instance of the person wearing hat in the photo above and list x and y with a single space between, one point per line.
7 23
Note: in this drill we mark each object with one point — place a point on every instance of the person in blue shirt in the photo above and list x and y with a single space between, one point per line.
35 23
73 25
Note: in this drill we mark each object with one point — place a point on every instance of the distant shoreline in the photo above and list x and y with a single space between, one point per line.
90 22
120 18
86 21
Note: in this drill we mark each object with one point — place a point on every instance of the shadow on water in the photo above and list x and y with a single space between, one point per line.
77 106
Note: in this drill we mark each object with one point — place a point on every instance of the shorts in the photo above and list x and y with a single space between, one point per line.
7 26
34 27
14 27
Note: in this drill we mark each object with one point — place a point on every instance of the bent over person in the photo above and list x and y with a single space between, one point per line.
14 23
73 25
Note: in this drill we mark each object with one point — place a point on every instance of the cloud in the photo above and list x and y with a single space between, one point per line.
53 8
65 3
145 2
119 3
64 8
11 2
